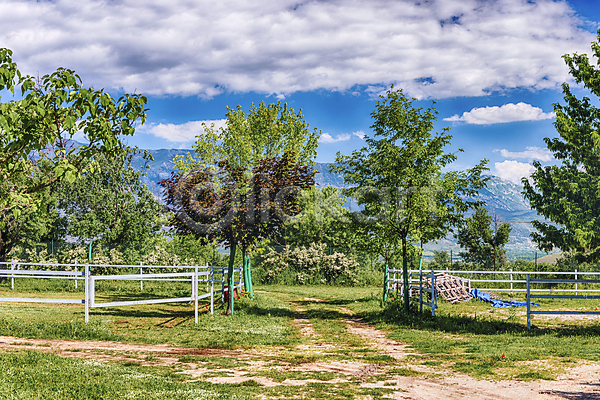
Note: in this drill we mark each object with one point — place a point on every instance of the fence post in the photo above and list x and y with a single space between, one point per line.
12 279
511 283
141 279
223 285
575 281
207 277
212 291
195 294
528 304
433 300
76 271
420 291
87 292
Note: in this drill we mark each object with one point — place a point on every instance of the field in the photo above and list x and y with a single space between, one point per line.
318 342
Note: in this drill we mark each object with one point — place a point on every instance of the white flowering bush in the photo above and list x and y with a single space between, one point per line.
341 269
309 265
160 256
274 264
34 257
74 255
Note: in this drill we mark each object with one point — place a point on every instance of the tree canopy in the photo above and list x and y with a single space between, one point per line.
36 132
568 194
110 203
266 131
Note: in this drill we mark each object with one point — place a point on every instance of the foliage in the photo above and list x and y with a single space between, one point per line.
266 132
567 194
36 150
484 245
441 259
323 219
30 226
110 204
309 265
39 126
227 214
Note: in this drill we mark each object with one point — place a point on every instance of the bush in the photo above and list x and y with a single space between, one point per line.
308 266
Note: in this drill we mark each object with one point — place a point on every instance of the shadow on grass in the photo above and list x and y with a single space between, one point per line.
102 297
126 312
393 313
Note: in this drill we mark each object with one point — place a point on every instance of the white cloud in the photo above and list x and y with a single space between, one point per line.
531 153
506 113
182 133
513 170
327 138
432 49
359 134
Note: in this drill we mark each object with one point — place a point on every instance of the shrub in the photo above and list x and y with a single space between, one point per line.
308 265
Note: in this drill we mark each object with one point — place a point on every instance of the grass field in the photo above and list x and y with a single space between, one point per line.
299 341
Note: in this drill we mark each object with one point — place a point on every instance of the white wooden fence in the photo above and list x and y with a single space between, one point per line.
193 274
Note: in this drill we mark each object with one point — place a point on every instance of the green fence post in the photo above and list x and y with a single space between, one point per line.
249 273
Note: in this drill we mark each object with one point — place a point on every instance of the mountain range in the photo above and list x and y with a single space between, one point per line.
502 198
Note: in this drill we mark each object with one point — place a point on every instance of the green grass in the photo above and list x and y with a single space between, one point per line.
32 375
262 321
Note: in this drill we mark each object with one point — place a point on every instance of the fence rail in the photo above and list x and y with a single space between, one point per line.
85 272
532 281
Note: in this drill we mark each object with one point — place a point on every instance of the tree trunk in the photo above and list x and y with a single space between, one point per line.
3 255
230 278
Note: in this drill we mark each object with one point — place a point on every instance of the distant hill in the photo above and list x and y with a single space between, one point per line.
502 198
550 258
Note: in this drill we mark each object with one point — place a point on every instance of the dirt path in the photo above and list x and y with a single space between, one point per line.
581 382
302 322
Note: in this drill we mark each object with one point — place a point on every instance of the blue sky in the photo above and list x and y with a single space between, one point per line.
494 67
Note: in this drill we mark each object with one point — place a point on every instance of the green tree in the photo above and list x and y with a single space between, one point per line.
567 194
398 179
214 207
484 245
323 220
441 259
31 226
110 202
265 132
36 150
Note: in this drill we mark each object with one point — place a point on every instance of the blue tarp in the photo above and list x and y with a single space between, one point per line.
483 296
